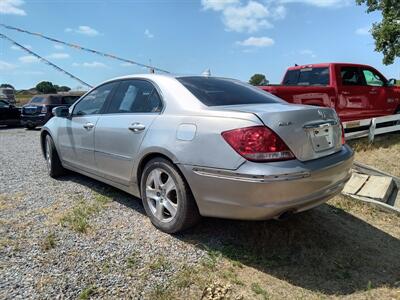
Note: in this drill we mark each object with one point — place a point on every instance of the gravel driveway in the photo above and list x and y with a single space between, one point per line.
119 236
78 238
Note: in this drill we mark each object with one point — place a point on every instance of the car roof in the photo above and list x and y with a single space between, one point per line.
325 65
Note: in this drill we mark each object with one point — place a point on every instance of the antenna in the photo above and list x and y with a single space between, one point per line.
206 72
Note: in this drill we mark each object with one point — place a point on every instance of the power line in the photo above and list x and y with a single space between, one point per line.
44 60
83 48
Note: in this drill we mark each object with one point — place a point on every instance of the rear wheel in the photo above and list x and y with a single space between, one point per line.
167 198
54 166
30 126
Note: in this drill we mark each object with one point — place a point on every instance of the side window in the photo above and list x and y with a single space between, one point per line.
350 76
69 100
372 78
93 102
135 96
3 104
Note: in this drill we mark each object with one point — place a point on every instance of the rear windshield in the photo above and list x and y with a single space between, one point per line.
213 91
38 100
307 76
69 99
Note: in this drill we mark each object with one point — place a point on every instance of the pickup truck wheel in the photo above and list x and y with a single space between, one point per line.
167 198
30 126
54 166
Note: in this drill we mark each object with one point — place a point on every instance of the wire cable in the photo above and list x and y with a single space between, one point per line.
83 48
3 36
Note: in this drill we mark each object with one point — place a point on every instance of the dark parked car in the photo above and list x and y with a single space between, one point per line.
39 110
9 114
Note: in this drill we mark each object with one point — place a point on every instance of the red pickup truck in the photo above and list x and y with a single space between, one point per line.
355 91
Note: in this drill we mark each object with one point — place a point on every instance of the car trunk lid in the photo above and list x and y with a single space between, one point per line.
310 132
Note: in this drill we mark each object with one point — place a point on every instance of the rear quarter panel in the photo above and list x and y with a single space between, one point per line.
204 147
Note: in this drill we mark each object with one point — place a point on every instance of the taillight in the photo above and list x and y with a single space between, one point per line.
343 136
44 109
258 143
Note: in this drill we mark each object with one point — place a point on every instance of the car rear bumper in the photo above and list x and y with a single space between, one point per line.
257 191
36 120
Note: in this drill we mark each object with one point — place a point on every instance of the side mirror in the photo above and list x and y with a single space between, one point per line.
61 112
392 82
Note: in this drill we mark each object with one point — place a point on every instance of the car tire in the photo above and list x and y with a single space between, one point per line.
30 126
53 163
167 197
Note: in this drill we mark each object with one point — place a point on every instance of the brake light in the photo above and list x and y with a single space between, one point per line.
343 136
258 143
44 109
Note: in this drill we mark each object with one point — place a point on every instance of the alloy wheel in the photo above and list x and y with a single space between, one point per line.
162 195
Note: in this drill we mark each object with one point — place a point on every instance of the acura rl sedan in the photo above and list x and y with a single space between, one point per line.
196 146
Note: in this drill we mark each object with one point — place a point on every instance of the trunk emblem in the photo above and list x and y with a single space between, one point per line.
281 123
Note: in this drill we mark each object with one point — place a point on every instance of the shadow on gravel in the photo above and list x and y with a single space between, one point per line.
106 190
325 250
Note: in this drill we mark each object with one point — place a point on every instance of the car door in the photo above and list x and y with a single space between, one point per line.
376 89
353 97
4 107
76 133
120 131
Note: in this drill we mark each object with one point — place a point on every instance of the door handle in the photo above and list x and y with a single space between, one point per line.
345 93
136 127
88 126
373 92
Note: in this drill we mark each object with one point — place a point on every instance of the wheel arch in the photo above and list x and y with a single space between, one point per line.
148 157
43 134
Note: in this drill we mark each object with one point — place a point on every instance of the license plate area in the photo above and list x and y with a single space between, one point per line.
321 137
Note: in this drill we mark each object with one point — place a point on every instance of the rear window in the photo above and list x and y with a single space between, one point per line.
220 91
38 100
307 76
69 100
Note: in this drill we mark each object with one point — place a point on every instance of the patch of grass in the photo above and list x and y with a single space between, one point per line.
49 242
186 277
160 292
258 290
211 260
87 292
78 217
232 276
160 263
133 260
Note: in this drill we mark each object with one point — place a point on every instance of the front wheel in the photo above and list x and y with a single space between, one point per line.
54 166
167 198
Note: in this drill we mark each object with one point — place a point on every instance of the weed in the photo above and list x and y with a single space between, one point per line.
161 293
133 260
87 292
256 288
49 242
159 263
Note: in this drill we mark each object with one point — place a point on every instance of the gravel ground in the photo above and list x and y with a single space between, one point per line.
342 249
121 254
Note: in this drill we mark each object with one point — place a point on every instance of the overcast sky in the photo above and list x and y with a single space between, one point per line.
234 38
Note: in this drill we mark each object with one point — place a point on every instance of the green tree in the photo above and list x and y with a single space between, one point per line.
6 85
387 32
258 79
46 87
64 88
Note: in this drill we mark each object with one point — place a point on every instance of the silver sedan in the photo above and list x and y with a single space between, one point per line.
196 146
